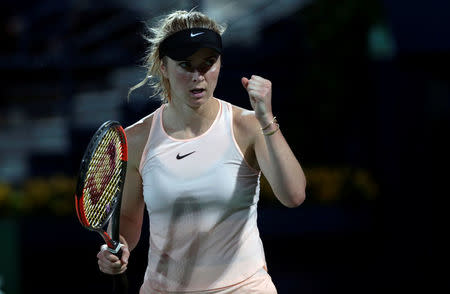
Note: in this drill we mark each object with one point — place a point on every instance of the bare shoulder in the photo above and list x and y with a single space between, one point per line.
138 129
245 121
137 136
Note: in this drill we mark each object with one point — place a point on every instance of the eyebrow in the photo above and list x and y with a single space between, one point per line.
214 56
206 58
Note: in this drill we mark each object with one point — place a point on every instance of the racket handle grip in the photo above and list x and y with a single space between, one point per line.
120 284
120 281
119 253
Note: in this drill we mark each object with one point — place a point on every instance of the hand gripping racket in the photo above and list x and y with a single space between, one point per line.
99 188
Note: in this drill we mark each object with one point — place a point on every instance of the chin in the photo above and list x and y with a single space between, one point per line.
199 101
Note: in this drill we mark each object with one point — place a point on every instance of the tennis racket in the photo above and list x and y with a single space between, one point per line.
99 188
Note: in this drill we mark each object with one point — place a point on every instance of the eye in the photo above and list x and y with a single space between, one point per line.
211 61
207 64
185 64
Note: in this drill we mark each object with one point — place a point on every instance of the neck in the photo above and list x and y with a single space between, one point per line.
184 121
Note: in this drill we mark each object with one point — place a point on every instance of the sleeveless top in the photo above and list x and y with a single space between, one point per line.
201 197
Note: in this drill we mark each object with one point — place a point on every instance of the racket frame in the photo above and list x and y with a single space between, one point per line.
112 241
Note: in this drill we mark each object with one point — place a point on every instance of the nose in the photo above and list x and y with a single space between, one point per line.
198 76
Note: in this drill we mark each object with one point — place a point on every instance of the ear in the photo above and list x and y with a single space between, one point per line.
163 68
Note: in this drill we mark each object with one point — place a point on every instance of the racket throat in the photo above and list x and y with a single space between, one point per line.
113 246
116 249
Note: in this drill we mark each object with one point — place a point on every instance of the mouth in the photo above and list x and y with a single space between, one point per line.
198 92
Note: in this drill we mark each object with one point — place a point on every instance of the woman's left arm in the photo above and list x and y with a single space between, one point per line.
275 158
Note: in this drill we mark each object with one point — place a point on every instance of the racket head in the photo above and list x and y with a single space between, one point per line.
101 178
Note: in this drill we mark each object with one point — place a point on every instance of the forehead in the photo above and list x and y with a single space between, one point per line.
203 53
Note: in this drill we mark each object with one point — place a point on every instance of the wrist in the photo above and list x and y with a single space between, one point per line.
271 130
271 127
266 120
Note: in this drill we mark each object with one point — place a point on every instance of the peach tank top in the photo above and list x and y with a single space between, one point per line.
201 198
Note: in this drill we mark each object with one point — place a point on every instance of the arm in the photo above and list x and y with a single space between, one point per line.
132 210
274 156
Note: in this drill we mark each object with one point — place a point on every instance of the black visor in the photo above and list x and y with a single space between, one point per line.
183 44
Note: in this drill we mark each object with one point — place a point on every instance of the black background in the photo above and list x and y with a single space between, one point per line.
337 106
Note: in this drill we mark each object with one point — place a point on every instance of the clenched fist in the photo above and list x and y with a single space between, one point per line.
260 93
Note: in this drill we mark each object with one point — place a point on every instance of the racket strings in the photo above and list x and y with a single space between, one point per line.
103 179
100 202
103 160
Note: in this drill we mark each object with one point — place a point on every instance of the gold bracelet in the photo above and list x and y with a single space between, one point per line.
274 120
272 132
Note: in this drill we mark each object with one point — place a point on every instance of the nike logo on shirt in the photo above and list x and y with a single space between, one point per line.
183 156
196 34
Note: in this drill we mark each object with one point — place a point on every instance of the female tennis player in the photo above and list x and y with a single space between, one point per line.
195 164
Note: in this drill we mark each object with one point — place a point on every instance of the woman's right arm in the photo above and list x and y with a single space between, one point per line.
132 210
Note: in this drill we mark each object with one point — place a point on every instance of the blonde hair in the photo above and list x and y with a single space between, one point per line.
170 24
